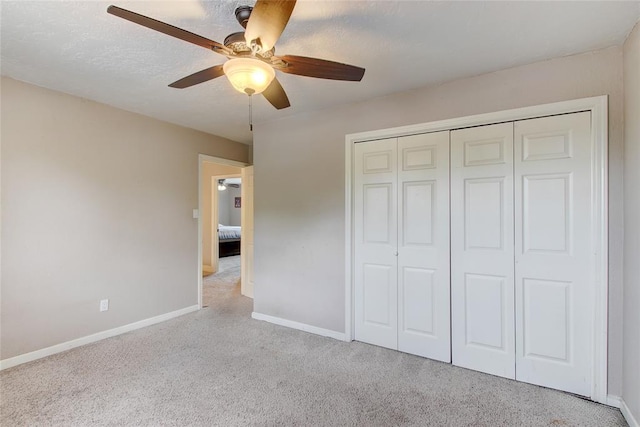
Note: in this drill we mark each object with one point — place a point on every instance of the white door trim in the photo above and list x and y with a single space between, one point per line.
598 106
247 242
211 159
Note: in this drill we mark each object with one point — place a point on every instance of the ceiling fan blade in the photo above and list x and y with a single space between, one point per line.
166 29
267 21
319 68
199 77
276 95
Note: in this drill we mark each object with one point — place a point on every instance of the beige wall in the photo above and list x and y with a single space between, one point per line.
631 366
228 214
209 170
299 234
96 203
234 213
223 207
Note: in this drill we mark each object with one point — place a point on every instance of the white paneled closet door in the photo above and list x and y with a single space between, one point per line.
482 249
401 218
376 243
554 291
423 246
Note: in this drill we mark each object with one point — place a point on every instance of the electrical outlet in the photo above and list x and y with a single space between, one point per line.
104 305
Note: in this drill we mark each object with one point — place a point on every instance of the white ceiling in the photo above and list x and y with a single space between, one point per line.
236 181
77 48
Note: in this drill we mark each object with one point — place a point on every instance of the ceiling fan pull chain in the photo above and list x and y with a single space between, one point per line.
250 113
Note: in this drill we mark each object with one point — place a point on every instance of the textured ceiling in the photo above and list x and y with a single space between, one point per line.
77 48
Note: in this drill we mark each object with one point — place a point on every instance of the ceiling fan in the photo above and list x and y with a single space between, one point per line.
228 182
251 55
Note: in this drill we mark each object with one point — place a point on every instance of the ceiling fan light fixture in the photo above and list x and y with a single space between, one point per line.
249 76
251 62
221 186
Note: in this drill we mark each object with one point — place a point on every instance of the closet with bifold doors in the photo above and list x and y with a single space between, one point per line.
474 246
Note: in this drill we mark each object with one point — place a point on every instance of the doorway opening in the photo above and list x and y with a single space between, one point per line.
221 214
222 277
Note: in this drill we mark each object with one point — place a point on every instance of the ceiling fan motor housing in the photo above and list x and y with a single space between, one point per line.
237 43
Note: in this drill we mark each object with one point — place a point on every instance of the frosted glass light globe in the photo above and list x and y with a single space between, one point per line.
249 75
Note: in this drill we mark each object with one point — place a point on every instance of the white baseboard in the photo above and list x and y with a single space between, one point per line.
631 420
612 401
59 348
300 326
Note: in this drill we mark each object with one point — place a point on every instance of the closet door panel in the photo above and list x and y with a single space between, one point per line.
482 263
554 294
423 246
375 233
484 312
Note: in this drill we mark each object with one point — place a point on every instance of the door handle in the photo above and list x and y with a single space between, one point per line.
395 253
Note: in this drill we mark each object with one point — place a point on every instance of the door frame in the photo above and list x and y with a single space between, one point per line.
598 106
247 245
202 158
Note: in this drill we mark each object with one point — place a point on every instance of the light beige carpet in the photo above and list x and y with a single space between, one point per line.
218 367
224 284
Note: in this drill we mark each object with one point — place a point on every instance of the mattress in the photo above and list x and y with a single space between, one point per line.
228 232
